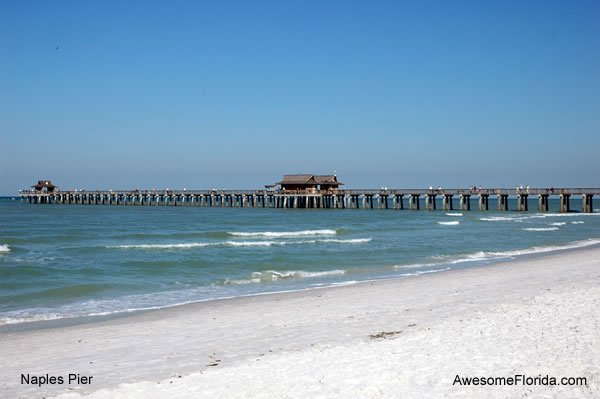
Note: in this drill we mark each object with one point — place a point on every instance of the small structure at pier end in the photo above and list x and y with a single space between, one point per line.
309 184
44 186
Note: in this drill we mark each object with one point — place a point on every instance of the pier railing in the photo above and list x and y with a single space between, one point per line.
383 198
386 191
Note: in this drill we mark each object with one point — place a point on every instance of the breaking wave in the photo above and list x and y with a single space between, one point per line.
190 245
489 255
274 275
285 234
500 219
4 248
541 229
451 223
418 273
453 214
161 246
536 216
346 241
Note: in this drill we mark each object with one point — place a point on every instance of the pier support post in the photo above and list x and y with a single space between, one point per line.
543 203
383 201
447 202
398 202
522 202
413 202
465 202
565 205
586 203
430 204
502 202
484 202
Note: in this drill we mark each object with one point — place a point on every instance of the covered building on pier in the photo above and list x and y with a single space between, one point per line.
44 186
305 183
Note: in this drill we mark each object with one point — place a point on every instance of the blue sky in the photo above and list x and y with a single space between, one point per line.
235 94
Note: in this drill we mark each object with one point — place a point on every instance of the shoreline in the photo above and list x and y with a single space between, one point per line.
480 263
243 332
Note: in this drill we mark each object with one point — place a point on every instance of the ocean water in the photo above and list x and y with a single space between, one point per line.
65 261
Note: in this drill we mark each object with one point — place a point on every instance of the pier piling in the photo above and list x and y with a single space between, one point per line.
543 203
447 202
586 203
502 202
565 205
465 202
413 202
522 202
430 204
484 202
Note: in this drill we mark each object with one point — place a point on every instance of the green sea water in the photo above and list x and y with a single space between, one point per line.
65 261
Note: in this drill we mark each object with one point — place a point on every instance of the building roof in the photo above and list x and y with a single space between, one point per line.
44 183
310 179
298 179
327 179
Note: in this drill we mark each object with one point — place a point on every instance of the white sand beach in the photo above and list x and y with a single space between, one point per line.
405 337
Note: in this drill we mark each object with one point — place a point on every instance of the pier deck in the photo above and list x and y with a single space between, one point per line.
329 199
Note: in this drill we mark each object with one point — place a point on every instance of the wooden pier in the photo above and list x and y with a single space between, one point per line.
399 199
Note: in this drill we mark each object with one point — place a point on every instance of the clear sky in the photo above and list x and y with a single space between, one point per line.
233 94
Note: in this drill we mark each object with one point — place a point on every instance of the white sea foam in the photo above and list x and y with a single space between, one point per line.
162 246
454 214
496 219
274 275
550 248
541 229
26 319
4 248
189 245
507 218
327 240
416 265
424 272
519 218
231 243
347 241
451 223
577 222
449 260
558 224
249 243
485 255
569 214
285 234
